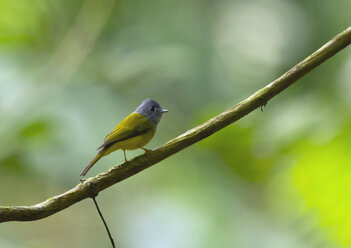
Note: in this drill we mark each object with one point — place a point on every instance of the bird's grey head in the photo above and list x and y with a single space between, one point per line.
152 110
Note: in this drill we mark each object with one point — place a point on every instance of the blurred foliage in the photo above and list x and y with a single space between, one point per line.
71 69
323 177
248 163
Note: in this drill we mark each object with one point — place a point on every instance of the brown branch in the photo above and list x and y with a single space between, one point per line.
92 186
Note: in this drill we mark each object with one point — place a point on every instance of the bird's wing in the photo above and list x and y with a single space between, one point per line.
133 125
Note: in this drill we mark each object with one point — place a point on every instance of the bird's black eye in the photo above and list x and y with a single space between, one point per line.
152 109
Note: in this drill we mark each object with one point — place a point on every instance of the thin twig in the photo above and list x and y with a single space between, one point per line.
103 220
92 186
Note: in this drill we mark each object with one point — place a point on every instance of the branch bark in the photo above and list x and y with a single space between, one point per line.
92 186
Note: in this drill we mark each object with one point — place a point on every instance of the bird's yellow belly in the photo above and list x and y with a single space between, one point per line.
132 143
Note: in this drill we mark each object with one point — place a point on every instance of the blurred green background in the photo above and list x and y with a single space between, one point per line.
70 70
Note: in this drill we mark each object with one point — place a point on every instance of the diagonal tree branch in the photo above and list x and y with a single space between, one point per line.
92 186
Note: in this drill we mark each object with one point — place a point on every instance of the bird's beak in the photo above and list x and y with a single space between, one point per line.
164 111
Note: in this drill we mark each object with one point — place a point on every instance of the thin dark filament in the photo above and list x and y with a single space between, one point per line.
103 220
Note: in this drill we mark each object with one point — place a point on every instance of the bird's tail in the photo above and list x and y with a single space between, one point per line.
97 157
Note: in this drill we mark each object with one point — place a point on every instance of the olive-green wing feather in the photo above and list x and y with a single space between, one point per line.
133 125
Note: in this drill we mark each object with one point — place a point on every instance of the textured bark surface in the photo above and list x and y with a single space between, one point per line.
92 186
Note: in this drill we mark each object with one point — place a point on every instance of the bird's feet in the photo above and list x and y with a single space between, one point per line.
125 156
146 150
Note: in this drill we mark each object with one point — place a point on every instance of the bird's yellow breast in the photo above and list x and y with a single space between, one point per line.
132 143
132 133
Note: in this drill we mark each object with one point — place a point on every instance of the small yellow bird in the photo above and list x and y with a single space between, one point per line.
134 132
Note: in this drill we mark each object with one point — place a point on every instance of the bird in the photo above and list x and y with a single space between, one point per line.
134 132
